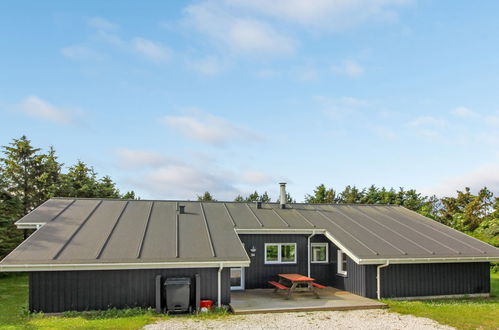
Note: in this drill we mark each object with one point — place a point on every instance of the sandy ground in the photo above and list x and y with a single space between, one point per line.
361 319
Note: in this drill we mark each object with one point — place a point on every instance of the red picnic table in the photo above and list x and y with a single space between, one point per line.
295 280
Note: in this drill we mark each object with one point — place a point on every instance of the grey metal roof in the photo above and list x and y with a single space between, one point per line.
94 231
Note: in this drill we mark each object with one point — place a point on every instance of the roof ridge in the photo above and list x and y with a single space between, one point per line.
216 202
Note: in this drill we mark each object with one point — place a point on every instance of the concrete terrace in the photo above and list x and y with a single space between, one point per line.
268 301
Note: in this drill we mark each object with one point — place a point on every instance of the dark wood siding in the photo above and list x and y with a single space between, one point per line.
258 273
412 280
406 280
357 278
93 290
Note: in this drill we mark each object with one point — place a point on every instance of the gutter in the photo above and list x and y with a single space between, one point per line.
219 279
308 249
378 278
425 260
117 266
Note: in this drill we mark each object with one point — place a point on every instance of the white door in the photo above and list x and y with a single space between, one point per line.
237 278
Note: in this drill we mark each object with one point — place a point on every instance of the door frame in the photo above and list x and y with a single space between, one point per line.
241 287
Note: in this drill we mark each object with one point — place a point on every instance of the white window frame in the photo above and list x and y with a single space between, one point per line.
241 287
312 245
340 269
279 256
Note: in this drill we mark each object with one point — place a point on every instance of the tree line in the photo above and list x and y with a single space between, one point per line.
29 176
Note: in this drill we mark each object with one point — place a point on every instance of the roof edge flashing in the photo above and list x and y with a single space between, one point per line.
426 260
120 266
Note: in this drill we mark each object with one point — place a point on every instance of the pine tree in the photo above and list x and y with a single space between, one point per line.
106 188
321 195
206 197
80 181
50 177
264 198
22 168
129 195
252 197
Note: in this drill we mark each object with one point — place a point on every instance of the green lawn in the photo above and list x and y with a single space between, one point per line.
460 313
471 313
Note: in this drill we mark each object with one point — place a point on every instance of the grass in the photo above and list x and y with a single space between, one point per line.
14 315
466 313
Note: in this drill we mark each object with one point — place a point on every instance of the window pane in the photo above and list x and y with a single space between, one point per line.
272 252
287 253
318 253
344 261
235 277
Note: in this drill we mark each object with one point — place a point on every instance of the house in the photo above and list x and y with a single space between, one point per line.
97 253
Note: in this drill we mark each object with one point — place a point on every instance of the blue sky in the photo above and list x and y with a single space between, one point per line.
173 98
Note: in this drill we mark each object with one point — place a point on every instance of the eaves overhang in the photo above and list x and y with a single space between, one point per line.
120 266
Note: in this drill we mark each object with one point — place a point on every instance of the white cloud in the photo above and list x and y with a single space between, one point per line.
101 24
338 108
384 132
210 129
483 176
162 176
186 181
36 107
467 113
464 112
425 121
266 73
492 120
307 74
79 52
110 38
348 68
151 49
240 34
139 158
209 65
256 178
334 14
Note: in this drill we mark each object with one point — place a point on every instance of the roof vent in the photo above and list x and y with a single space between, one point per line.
258 204
181 209
282 196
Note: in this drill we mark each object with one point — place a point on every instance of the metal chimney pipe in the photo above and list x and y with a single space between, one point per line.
282 197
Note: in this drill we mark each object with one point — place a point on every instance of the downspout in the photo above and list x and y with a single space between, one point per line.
378 278
220 285
308 248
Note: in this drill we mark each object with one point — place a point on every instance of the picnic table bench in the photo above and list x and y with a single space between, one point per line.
295 280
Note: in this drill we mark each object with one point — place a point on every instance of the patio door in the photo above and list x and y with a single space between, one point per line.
237 278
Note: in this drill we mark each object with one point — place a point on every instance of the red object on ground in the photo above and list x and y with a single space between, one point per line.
206 303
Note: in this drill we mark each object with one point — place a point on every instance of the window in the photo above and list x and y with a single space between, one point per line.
320 253
342 263
280 253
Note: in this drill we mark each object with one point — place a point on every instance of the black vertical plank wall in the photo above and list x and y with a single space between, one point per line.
60 291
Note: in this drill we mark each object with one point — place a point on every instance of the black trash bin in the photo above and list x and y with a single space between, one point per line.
178 293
